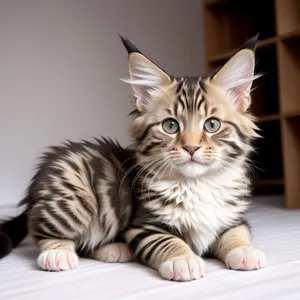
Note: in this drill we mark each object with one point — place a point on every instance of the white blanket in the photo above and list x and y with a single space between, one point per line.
276 231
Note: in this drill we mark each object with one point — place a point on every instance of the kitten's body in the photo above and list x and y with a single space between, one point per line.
177 194
82 180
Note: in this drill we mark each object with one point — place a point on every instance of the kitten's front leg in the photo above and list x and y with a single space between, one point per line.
235 250
168 254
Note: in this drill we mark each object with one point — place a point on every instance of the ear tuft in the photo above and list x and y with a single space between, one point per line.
251 43
129 46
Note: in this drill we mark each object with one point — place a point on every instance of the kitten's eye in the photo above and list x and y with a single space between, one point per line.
212 125
170 126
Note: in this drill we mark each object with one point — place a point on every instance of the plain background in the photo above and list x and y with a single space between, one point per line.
60 64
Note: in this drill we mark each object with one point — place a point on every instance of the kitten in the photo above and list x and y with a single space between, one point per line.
179 193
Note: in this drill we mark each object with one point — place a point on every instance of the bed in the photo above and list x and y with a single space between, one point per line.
276 231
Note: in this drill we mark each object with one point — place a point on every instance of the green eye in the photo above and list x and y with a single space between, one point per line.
212 125
170 126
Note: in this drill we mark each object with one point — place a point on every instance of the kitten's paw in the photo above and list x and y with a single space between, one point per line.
57 260
245 258
115 252
182 268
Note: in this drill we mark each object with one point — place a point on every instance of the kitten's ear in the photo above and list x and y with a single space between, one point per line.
237 75
145 76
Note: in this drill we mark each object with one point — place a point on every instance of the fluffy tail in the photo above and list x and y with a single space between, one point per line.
12 232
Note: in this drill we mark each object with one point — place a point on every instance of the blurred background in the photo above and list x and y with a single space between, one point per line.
60 64
61 60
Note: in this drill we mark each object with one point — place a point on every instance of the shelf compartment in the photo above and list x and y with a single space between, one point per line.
269 187
270 182
265 100
289 66
268 155
269 118
232 22
291 148
288 12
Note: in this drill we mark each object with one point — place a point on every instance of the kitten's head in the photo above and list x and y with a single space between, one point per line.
192 125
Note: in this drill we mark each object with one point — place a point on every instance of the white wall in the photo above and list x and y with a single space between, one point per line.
60 61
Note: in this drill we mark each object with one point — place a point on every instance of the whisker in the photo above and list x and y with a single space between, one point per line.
133 167
142 170
151 169
164 167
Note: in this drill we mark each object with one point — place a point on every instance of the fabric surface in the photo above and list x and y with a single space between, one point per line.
276 231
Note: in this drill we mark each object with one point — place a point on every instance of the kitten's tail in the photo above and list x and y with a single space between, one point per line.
12 232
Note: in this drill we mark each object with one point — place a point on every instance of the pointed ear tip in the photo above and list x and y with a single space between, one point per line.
123 39
120 36
251 43
131 48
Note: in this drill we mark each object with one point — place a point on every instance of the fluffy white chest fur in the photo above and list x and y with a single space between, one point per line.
202 206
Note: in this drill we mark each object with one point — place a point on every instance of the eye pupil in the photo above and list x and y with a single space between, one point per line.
212 125
170 126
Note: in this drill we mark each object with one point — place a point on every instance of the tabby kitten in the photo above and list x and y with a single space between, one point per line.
178 194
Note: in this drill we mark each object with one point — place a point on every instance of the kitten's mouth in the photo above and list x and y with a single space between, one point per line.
192 161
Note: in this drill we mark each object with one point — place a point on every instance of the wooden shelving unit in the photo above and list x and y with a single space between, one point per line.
276 96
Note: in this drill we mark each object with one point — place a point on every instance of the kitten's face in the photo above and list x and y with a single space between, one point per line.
191 126
191 129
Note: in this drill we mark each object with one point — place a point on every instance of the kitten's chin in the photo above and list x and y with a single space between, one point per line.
193 170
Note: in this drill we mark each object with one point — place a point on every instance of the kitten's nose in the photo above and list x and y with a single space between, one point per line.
190 149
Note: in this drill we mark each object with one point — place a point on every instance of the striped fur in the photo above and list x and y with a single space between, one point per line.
167 200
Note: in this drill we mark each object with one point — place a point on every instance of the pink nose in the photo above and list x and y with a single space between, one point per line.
191 150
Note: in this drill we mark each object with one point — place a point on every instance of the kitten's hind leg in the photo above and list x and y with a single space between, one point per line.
55 231
114 252
57 255
234 248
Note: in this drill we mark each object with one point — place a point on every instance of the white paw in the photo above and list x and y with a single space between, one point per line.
115 252
182 268
57 260
245 258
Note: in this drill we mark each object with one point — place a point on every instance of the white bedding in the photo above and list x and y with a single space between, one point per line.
276 231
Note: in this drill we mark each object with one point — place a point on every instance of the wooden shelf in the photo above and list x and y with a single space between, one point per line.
287 16
261 44
275 97
290 36
269 118
270 182
267 42
292 114
226 55
213 2
291 146
289 64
